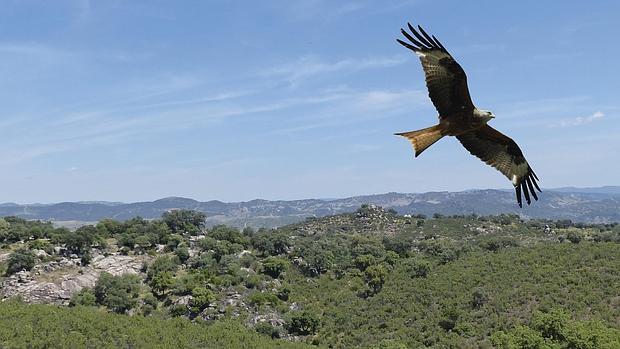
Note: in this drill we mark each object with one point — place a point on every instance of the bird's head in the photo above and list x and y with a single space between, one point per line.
485 115
490 115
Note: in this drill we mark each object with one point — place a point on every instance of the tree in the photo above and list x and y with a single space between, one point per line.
479 298
316 260
162 264
573 237
185 221
149 304
450 316
19 260
496 243
399 244
364 261
375 277
81 240
274 266
201 298
143 242
219 248
556 329
270 243
85 297
391 258
267 329
160 231
417 267
86 258
224 233
117 293
173 241
185 283
304 323
4 229
110 226
182 254
161 282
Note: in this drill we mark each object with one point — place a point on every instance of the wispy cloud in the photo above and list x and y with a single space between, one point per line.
309 66
580 120
356 107
330 10
35 50
534 108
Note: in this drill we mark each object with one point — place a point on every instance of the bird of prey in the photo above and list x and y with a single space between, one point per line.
447 88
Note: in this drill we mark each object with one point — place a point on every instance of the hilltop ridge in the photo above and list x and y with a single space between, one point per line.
588 205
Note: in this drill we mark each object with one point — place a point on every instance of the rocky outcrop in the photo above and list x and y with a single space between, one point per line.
273 319
4 256
56 281
117 264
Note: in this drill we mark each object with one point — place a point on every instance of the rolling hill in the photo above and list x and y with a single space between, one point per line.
589 205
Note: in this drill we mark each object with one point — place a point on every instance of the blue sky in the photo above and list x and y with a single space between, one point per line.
234 100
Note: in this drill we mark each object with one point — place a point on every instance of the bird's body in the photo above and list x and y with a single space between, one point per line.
463 122
447 86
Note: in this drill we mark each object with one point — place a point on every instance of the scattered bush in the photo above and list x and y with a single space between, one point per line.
274 266
304 323
85 297
19 260
117 293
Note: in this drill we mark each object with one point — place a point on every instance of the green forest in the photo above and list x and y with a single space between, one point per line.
368 279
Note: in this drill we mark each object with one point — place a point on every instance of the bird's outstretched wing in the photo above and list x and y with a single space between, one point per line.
445 79
501 152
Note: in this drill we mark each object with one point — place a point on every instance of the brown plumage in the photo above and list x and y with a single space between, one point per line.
447 87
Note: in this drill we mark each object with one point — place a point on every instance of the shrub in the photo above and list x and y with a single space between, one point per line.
253 281
274 266
162 264
202 297
258 299
85 297
304 323
267 330
574 237
19 260
117 293
184 221
182 254
417 267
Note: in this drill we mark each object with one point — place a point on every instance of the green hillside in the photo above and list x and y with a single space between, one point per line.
44 326
369 279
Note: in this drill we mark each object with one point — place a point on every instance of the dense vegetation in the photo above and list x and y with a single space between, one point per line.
367 279
44 326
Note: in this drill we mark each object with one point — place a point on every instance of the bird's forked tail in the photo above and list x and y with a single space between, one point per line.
424 138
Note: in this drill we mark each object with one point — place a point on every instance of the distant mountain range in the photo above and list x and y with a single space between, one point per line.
591 205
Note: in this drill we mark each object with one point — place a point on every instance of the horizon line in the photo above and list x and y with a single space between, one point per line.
299 199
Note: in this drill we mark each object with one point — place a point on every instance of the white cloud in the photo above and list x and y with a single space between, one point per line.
580 120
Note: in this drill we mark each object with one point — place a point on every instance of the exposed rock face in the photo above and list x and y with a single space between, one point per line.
4 256
184 300
42 285
117 264
274 319
40 253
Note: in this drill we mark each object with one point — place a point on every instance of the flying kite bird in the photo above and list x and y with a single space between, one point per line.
447 87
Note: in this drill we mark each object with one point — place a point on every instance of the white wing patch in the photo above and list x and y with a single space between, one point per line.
514 180
420 54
